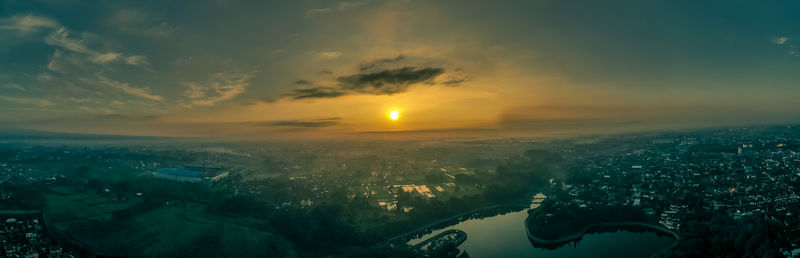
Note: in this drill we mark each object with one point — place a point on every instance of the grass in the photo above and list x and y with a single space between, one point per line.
166 231
71 208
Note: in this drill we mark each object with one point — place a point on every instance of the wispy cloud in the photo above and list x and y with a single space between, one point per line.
13 86
380 62
222 87
105 58
317 11
125 87
137 60
28 101
61 38
27 23
43 77
65 62
329 54
98 110
140 22
341 6
348 5
784 41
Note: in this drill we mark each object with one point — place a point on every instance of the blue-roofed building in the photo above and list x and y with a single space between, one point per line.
194 175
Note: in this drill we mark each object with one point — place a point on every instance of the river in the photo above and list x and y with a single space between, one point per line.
505 236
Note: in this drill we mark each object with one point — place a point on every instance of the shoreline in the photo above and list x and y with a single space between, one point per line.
441 222
588 230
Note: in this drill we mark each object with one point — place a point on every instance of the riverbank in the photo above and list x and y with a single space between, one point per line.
594 228
454 220
503 236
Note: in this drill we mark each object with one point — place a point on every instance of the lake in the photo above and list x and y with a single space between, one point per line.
505 236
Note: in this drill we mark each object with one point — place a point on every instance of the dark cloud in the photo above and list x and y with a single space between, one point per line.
453 82
380 62
384 82
314 123
382 76
388 81
97 118
302 82
316 93
130 117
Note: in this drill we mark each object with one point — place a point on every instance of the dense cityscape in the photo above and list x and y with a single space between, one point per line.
737 173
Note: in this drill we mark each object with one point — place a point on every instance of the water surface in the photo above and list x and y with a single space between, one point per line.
505 236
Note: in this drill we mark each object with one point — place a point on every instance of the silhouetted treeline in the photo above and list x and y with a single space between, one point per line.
723 236
553 222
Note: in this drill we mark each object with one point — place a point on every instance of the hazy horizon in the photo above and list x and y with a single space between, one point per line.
323 69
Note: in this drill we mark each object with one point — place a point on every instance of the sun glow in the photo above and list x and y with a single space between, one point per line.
394 115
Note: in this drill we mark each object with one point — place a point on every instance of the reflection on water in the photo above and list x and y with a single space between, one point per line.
504 236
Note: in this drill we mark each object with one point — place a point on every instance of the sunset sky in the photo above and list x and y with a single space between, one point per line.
327 68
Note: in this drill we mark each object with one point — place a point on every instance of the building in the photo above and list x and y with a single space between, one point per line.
191 174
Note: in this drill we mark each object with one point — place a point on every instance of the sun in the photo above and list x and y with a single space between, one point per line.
394 115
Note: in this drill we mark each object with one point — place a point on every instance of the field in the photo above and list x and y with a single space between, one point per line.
170 230
66 209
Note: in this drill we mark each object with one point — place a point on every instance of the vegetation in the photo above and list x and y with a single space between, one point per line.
723 236
551 222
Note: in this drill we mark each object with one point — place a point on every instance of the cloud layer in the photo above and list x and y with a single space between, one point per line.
443 64
312 123
221 88
383 76
27 23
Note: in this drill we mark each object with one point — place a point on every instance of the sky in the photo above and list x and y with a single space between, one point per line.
329 69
